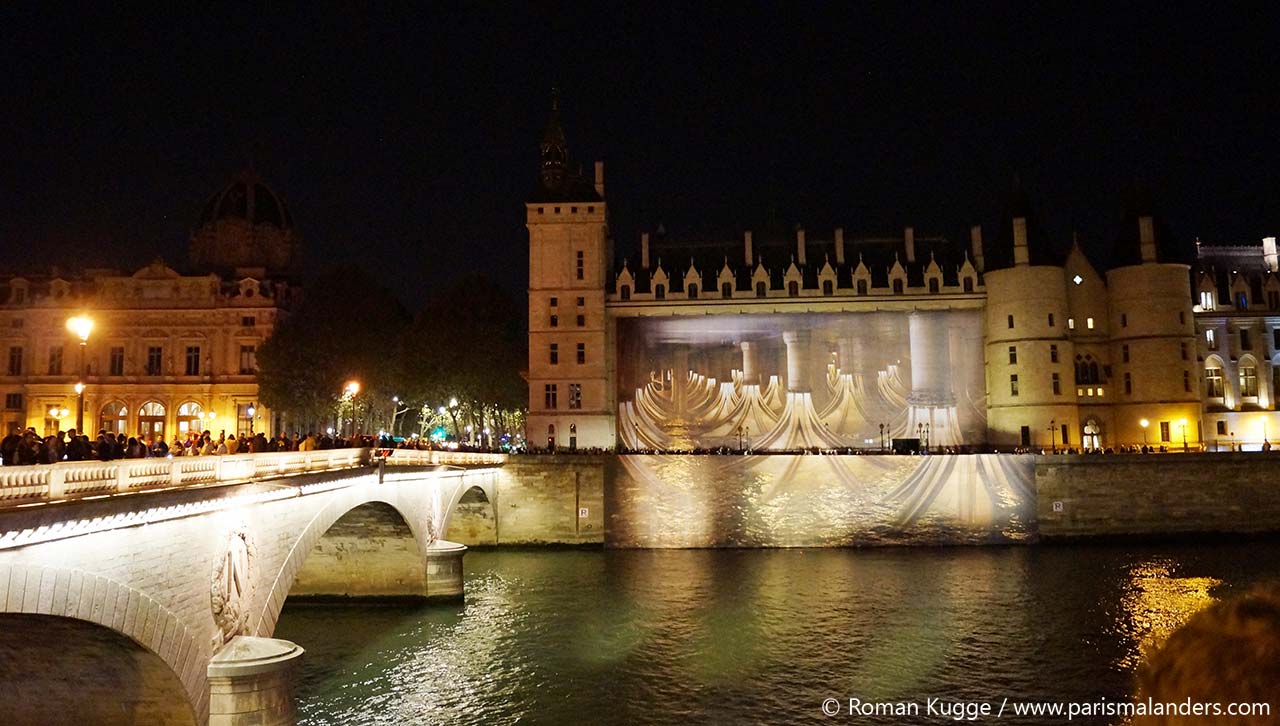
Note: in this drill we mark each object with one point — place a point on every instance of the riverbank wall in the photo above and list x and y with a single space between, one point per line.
1137 495
780 500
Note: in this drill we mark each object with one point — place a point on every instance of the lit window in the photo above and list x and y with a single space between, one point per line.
1071 323
575 395
1077 279
1206 300
1213 382
1248 381
1088 323
1090 390
1079 391
1210 338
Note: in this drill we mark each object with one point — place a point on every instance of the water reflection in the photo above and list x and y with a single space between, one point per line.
752 636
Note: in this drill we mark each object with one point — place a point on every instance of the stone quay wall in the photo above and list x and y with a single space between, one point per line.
1157 495
714 501
536 500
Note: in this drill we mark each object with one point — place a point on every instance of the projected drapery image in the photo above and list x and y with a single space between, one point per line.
801 381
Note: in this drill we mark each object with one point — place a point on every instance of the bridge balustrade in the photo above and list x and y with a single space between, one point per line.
22 485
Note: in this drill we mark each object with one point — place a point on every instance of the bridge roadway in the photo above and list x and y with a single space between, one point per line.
146 591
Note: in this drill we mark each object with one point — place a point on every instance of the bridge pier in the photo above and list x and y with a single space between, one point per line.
444 571
253 682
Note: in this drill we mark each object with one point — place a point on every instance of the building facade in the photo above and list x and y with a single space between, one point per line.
168 353
781 340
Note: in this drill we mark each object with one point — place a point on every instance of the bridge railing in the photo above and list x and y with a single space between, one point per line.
414 457
82 479
21 485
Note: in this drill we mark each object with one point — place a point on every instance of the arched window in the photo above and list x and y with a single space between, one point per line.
626 292
1093 372
551 436
573 437
726 290
693 292
933 284
760 289
897 286
113 417
862 287
190 417
793 288
151 420
828 288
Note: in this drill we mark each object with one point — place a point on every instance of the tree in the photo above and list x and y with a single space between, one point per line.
346 327
468 343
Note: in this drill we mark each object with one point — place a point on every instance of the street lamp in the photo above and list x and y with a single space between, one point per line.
1183 422
1053 436
352 388
252 410
79 408
1144 424
81 326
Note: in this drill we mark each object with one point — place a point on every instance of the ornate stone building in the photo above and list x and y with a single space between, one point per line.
167 352
790 339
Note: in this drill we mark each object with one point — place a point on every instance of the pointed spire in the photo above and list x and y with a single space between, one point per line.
554 149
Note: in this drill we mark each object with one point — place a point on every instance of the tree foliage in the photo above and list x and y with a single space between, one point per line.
343 329
467 343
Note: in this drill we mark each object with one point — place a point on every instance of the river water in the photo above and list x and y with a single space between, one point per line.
760 636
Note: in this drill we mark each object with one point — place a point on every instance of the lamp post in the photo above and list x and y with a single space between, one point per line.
1144 424
81 326
252 411
79 408
1183 422
1053 436
352 388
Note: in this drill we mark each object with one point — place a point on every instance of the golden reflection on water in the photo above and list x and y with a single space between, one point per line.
1155 604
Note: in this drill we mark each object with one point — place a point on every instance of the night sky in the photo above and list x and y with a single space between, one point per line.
406 143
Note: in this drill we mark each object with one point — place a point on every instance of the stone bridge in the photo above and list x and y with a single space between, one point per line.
146 591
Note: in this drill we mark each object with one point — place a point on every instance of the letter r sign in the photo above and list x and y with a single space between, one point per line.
1057 506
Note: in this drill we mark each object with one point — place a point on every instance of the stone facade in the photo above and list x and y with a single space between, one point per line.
1074 355
168 352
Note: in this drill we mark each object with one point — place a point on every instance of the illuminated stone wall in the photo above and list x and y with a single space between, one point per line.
1157 494
819 501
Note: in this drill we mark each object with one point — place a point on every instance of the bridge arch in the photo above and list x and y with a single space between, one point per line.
129 659
365 547
472 519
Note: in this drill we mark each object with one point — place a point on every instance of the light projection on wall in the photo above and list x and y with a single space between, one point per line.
801 381
684 500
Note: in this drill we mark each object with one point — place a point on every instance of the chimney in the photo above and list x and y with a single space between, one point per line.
975 246
1147 239
644 250
909 238
1021 257
800 247
600 178
839 245
1269 253
746 248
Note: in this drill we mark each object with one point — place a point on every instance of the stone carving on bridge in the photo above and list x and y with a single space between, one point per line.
232 584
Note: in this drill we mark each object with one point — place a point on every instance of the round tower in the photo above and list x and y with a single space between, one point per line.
1028 353
1153 349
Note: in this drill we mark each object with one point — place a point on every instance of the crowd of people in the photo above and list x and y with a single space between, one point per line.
26 447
